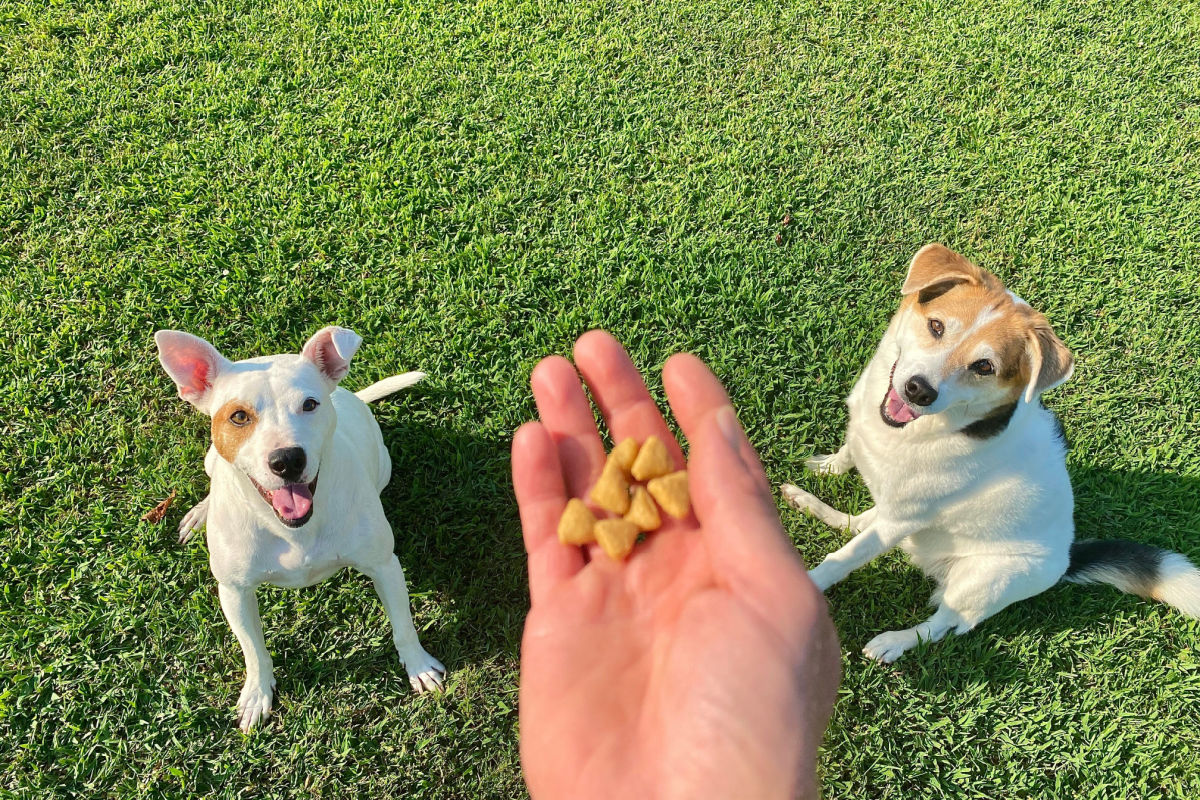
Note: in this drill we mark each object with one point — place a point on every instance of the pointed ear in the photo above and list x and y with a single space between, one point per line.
192 363
1050 362
935 270
331 350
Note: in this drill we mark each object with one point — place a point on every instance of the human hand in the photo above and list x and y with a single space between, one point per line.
705 666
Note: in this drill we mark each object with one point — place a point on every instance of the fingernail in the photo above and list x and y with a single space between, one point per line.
730 428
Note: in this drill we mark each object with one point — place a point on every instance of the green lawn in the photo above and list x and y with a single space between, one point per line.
470 186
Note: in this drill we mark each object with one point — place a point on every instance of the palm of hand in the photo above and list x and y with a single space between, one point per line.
668 675
635 675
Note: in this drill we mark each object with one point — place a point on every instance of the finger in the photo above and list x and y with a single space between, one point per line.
541 496
694 392
567 415
620 392
738 516
730 493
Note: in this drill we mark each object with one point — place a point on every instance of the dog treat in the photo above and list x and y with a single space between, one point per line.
652 460
611 492
575 525
625 453
642 511
671 492
616 537
638 506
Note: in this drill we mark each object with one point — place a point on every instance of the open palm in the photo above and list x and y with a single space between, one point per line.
705 665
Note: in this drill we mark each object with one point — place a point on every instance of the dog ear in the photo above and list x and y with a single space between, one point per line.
1050 362
935 270
331 350
192 363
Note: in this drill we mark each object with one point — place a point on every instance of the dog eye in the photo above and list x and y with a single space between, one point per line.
310 404
239 418
983 367
936 328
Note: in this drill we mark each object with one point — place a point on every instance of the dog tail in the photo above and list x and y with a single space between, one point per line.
1138 569
388 386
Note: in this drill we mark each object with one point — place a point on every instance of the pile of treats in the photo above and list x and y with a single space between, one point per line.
650 465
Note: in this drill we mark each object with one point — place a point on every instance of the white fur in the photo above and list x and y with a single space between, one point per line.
248 544
1178 584
388 386
989 519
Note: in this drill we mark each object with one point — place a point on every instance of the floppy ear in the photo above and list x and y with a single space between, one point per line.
935 270
1050 361
192 363
331 350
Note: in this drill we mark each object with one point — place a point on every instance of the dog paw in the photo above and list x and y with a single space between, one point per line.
887 647
193 520
425 673
797 498
828 464
254 703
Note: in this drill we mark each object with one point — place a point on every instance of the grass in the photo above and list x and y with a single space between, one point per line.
470 187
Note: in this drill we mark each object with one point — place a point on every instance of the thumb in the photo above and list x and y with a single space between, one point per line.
730 493
738 516
751 556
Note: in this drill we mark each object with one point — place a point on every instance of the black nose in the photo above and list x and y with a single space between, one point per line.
918 391
287 462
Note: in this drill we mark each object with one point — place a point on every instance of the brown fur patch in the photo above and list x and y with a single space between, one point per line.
227 437
1053 360
936 269
1009 338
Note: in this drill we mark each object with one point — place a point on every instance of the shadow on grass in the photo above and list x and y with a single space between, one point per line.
458 536
1160 509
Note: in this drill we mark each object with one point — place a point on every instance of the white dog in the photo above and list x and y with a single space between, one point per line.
966 466
297 465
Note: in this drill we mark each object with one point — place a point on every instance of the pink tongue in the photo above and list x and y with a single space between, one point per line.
897 409
292 501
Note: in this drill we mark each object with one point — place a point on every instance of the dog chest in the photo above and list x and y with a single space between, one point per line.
250 554
298 564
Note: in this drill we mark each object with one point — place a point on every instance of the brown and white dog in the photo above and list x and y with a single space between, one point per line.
966 466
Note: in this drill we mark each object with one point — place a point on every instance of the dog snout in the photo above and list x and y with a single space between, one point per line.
918 391
288 462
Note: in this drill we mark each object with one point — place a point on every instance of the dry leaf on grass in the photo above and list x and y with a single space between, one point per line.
159 511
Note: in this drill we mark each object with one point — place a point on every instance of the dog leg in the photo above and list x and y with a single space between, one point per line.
801 500
974 588
193 520
424 671
887 647
241 610
877 537
831 463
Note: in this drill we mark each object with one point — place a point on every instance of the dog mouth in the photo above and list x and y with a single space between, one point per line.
292 502
893 409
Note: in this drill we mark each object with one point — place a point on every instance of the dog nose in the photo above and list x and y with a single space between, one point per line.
287 462
918 390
